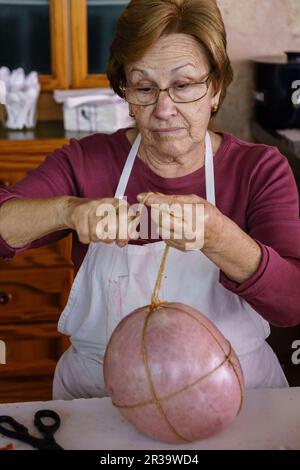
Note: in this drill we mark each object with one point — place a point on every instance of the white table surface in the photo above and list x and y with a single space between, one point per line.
269 419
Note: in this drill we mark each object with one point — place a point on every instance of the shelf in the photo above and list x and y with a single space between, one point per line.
43 130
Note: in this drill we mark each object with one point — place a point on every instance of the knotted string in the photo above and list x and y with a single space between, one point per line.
155 301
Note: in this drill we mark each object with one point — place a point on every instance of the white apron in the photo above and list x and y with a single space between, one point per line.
114 281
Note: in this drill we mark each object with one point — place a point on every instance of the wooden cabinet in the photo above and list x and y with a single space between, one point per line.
65 41
34 286
41 41
93 24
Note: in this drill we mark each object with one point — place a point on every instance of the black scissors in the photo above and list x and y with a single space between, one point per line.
18 431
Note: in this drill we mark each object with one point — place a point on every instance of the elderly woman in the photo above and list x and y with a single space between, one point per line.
169 61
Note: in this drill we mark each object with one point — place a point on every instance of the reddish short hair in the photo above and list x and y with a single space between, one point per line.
144 21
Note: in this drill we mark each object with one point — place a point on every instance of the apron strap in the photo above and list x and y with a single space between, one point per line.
120 191
209 171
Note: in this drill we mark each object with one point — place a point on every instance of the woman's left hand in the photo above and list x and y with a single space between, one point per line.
185 222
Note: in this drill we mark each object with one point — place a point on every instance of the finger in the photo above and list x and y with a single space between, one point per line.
170 226
142 197
121 205
111 224
106 232
123 223
95 228
121 243
133 223
174 210
158 198
82 229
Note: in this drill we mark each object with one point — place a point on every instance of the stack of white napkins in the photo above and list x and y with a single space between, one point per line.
93 109
22 93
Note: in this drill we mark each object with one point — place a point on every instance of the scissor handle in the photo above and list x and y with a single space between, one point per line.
20 432
16 428
47 429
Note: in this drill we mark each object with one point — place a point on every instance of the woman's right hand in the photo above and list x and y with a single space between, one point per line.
105 220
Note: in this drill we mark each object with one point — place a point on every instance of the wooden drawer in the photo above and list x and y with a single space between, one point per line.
32 352
29 388
31 349
33 295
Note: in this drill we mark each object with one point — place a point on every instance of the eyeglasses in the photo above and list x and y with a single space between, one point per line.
181 93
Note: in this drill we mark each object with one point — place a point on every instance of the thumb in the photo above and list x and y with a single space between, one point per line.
143 197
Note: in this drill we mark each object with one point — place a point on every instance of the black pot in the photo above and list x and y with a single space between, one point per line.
276 91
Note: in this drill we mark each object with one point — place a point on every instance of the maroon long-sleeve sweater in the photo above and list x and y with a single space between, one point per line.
255 187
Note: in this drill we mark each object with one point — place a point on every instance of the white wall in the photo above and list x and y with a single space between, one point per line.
254 28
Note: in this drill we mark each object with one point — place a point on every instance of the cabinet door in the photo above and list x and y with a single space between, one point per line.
34 288
33 35
93 24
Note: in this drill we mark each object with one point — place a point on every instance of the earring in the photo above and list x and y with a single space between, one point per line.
214 108
131 114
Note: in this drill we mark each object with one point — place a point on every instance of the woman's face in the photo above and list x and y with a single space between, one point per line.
172 60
